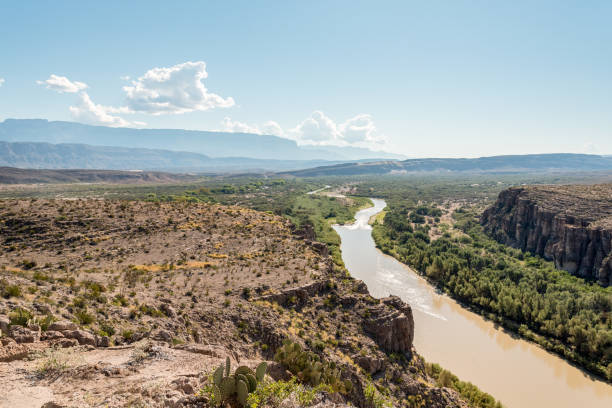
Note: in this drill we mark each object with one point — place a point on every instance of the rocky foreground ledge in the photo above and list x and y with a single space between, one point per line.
131 304
570 225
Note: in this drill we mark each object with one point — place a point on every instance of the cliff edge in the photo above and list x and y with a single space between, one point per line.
570 225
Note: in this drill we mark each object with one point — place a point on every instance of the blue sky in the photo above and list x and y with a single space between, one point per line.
426 78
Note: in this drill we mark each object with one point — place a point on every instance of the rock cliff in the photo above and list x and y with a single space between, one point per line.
569 225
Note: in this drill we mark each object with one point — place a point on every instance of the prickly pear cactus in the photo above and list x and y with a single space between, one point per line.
260 372
227 366
242 391
235 387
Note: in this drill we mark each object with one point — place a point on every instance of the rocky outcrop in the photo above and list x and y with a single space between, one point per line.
569 225
392 325
297 295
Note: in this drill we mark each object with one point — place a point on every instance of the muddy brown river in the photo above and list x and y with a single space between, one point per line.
518 373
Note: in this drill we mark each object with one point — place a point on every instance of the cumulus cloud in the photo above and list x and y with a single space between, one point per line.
1 81
229 125
268 128
62 84
360 129
89 112
318 129
176 89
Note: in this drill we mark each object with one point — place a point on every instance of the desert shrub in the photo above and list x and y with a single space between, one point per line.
375 398
84 317
7 291
20 316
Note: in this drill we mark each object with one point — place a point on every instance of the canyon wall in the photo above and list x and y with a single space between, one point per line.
569 225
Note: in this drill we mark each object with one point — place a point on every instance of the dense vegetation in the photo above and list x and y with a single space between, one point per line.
563 313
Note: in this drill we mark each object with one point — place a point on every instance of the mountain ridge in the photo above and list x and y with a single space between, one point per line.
43 155
210 143
501 163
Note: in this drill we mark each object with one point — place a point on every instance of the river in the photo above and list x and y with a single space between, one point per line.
518 373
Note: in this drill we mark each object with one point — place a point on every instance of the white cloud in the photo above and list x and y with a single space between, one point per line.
268 128
360 129
272 128
230 125
318 129
1 81
89 112
177 89
62 84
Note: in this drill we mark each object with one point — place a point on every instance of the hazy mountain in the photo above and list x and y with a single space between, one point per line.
516 163
213 144
81 156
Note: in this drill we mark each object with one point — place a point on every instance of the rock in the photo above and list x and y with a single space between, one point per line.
278 372
4 324
197 336
62 326
392 325
11 351
102 341
24 335
361 287
369 363
81 336
185 385
64 342
319 247
51 335
7 340
167 310
569 225
305 232
298 295
42 308
162 335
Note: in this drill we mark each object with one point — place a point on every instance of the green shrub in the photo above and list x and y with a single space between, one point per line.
20 316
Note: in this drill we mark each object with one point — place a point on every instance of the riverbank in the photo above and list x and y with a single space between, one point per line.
464 342
440 263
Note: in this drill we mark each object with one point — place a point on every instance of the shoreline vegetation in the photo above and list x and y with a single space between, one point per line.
443 378
506 284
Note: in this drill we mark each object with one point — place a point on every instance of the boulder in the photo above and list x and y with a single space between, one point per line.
63 325
370 364
162 335
81 336
102 341
51 335
24 335
64 342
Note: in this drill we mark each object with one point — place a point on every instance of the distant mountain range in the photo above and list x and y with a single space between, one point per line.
211 144
36 155
493 164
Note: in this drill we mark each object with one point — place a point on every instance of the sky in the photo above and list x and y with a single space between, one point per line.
421 78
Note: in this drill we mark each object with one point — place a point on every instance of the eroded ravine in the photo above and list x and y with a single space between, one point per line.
517 372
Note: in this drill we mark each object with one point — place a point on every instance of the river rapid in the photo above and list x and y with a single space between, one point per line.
518 373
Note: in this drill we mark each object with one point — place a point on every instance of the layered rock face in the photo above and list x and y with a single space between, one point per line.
570 225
